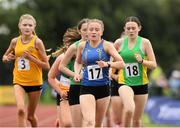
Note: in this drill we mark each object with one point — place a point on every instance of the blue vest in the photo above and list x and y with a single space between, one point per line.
93 75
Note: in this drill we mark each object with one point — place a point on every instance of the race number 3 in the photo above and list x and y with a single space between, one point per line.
23 64
132 70
94 72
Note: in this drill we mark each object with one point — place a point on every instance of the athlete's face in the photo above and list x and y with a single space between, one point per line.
26 26
83 31
132 29
94 31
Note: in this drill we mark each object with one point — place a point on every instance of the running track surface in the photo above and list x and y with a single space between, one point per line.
46 116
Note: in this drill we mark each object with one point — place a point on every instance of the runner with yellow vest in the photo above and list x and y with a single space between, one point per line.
30 58
138 55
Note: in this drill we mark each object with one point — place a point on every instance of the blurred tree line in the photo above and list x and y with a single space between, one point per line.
159 19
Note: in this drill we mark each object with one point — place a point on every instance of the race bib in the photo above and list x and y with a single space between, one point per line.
23 64
132 70
65 81
94 72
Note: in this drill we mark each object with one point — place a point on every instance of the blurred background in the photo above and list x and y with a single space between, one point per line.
159 19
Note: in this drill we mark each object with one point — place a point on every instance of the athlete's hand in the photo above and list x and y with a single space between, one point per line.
9 57
63 94
27 55
77 77
102 63
138 57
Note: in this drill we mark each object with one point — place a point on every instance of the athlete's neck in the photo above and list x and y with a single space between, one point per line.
25 39
94 43
83 39
132 40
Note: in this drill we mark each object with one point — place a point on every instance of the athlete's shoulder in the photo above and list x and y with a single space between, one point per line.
82 44
72 47
119 40
76 42
107 43
38 43
38 40
145 41
60 57
14 41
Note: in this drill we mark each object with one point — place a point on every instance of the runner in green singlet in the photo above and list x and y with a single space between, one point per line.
138 55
